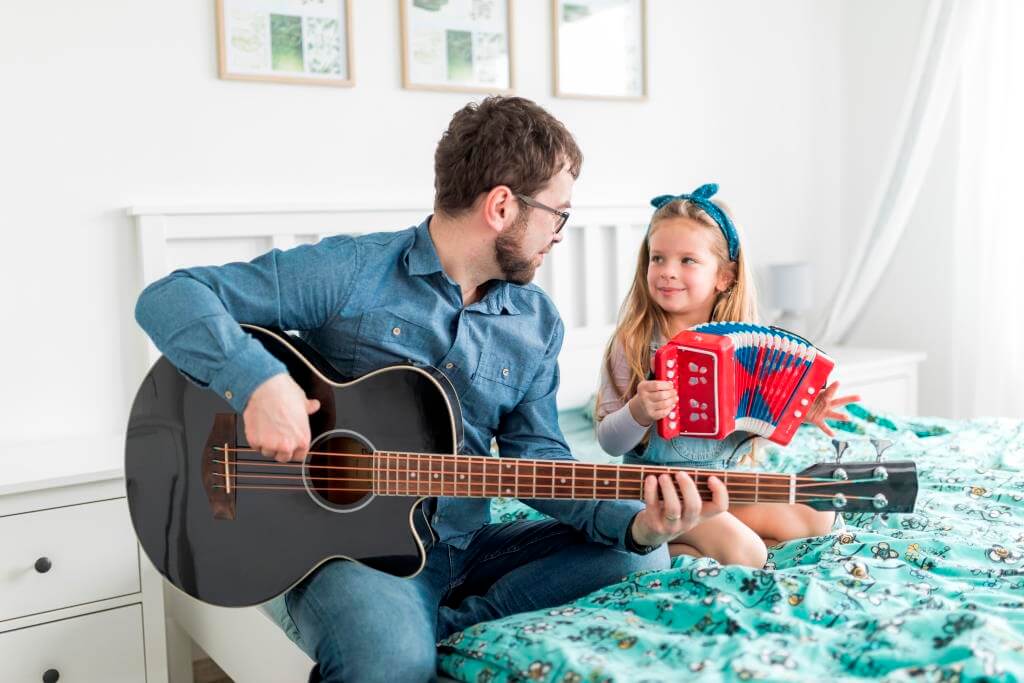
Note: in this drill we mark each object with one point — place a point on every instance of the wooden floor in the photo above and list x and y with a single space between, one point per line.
205 671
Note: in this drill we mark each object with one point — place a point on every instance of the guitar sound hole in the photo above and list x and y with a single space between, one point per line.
339 470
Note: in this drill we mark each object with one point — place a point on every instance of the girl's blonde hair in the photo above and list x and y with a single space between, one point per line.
640 317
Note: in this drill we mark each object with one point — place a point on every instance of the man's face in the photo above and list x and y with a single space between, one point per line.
520 248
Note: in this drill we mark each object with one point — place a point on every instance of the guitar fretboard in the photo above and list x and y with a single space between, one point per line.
417 474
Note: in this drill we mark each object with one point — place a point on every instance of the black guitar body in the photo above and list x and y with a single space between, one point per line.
243 547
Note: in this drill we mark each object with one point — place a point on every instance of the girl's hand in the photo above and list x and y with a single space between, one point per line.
653 401
825 407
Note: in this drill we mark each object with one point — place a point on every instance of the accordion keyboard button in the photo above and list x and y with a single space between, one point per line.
693 381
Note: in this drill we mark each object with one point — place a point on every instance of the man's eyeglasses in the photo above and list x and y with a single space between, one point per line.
563 216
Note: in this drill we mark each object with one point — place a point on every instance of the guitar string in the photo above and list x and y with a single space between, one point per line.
418 457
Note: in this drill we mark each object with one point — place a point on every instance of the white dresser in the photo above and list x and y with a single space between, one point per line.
71 586
885 379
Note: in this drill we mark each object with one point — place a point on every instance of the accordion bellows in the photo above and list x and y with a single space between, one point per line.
739 376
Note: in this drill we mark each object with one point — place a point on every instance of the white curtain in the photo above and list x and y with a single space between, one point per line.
939 55
988 328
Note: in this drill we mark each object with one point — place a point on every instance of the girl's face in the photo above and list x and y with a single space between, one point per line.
683 274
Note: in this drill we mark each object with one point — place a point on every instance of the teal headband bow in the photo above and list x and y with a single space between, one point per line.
702 198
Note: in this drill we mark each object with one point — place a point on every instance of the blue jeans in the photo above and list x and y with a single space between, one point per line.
361 624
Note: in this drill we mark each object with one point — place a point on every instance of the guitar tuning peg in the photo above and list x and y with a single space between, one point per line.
840 447
881 446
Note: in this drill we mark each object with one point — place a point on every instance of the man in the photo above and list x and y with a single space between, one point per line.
453 293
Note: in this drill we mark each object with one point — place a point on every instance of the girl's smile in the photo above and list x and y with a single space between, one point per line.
683 275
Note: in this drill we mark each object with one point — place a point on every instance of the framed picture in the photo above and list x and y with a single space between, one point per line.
600 48
457 45
286 41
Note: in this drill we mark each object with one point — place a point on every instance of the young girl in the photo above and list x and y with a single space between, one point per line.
691 270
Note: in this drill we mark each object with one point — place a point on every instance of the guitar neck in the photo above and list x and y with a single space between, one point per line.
461 476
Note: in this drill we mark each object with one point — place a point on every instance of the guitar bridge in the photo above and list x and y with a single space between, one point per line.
219 466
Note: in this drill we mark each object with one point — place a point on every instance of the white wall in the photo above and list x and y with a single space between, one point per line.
912 305
111 104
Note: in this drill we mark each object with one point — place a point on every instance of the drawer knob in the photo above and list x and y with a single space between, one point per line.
51 676
43 565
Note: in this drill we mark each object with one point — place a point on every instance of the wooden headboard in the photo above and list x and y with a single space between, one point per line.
587 274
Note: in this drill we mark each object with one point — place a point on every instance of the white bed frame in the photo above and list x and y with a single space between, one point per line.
587 275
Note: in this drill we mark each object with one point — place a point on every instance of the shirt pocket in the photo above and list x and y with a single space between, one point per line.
386 338
504 369
499 383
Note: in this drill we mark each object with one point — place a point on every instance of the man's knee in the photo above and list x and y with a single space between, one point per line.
342 624
413 662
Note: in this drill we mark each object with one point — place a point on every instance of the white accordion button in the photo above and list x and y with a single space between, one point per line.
694 403
693 367
703 370
672 415
670 363
810 390
670 374
672 425
703 380
693 381
798 414
803 401
694 417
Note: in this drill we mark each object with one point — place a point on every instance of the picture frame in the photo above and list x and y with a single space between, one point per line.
458 45
600 49
286 41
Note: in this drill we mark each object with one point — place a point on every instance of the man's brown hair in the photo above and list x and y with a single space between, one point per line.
500 141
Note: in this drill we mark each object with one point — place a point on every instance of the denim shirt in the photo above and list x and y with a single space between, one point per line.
374 300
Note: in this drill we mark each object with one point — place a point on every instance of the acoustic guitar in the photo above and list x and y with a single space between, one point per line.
232 528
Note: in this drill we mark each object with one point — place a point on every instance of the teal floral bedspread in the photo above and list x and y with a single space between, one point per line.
937 595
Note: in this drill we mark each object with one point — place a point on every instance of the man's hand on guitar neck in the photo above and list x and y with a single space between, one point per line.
276 419
664 519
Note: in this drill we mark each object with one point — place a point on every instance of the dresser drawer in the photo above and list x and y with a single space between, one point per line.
103 646
90 550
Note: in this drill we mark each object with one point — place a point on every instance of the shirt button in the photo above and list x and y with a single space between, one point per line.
504 372
449 366
396 331
228 395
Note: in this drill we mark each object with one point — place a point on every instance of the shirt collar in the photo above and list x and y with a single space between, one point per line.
501 298
422 255
422 259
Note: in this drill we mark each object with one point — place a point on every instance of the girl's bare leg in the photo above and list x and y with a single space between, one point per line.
778 522
726 539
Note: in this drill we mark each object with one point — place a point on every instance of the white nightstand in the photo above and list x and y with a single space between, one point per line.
75 604
885 379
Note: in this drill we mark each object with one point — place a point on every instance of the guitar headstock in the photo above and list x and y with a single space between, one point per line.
859 486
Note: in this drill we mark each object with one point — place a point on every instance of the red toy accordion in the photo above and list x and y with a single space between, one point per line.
738 376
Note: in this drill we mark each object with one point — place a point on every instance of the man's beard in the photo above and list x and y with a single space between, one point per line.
508 251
